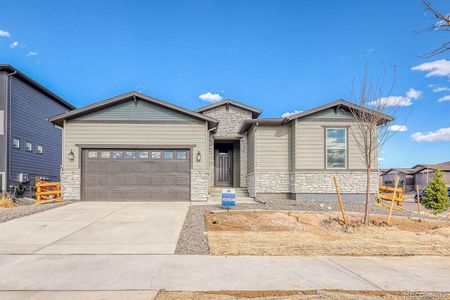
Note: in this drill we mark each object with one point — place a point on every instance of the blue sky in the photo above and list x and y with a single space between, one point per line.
280 56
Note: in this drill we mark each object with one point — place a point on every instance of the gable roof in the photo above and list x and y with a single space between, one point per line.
339 102
407 171
15 72
122 98
445 166
255 111
246 124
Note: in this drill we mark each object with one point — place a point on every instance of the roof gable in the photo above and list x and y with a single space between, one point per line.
127 104
255 111
138 110
335 104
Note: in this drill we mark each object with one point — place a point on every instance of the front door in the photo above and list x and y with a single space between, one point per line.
224 165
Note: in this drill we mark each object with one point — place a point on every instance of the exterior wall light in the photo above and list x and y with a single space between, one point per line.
71 155
199 156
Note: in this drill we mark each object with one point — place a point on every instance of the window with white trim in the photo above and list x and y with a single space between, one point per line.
336 148
40 149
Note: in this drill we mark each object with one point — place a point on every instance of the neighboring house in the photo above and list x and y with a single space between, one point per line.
406 178
135 147
418 175
30 146
425 172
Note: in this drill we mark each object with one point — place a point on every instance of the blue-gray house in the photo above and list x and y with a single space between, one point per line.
30 146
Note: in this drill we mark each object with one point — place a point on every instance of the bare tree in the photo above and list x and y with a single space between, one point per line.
373 111
442 23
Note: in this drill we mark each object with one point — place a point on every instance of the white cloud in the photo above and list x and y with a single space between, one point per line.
438 89
445 98
398 128
413 94
392 101
406 100
210 97
32 53
437 68
14 45
4 33
290 113
440 135
380 158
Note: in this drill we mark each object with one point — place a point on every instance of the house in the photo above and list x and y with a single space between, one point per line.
30 146
138 148
406 180
419 175
425 172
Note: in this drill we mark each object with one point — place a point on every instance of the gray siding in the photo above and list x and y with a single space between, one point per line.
251 151
140 110
310 142
76 133
273 147
30 110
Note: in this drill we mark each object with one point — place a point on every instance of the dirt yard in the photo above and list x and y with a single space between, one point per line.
298 233
312 294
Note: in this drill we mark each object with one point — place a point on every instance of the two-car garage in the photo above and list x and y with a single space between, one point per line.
135 174
135 148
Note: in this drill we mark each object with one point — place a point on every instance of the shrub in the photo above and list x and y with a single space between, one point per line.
6 201
436 197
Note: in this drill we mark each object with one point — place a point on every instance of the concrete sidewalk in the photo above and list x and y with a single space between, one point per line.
172 272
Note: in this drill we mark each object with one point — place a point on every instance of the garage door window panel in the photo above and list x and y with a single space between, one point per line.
182 155
143 154
156 154
168 155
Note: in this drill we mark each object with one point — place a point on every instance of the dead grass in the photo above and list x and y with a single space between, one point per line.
301 295
297 233
6 201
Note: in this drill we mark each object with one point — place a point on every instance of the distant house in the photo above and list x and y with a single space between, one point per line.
425 172
406 178
418 175
30 146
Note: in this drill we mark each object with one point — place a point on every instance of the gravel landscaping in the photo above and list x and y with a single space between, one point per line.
193 237
27 207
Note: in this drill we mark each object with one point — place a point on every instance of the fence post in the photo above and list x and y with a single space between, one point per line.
393 200
340 200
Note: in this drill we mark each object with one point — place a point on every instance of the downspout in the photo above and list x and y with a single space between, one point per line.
8 131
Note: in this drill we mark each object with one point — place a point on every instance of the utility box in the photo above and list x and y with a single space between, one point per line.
22 178
228 197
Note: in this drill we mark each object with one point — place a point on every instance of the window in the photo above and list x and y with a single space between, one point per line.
28 146
168 154
143 154
117 154
92 154
105 154
130 155
156 154
336 148
40 149
16 143
181 155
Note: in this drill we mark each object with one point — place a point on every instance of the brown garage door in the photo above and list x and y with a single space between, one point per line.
135 175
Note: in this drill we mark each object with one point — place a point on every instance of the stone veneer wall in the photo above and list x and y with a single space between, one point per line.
71 184
251 184
230 122
312 182
273 182
199 185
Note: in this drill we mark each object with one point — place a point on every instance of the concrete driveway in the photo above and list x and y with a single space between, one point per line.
97 228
